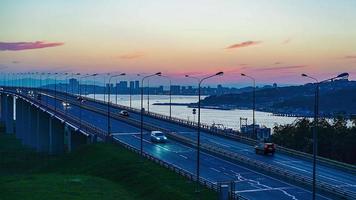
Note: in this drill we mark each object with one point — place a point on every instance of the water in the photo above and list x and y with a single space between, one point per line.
229 118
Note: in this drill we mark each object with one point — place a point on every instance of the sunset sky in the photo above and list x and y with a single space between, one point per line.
273 40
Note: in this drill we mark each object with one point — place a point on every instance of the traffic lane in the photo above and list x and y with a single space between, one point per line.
331 179
332 176
248 182
96 119
301 166
225 174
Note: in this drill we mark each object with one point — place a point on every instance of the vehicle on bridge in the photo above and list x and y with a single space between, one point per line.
39 96
265 148
65 105
124 113
81 99
158 137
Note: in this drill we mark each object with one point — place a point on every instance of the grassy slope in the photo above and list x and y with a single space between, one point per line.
100 171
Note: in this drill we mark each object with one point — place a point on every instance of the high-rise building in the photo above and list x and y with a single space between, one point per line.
137 85
175 89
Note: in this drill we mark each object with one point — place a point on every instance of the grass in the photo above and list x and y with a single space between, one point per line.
99 171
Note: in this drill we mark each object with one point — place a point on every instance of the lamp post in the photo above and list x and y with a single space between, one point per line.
316 121
170 95
109 91
254 105
105 87
198 129
80 96
141 139
67 84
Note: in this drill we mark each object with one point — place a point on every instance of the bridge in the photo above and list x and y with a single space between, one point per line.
48 124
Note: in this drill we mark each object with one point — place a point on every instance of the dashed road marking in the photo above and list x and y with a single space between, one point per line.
215 169
185 157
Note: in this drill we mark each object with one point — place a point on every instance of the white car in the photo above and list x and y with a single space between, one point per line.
158 136
124 113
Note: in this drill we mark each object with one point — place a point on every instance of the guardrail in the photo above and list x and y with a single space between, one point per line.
234 156
235 135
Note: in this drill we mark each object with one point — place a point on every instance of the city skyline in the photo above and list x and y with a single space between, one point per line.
279 43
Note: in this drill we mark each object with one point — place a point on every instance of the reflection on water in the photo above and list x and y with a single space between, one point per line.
229 118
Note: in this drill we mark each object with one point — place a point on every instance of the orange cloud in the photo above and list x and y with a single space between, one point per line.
243 44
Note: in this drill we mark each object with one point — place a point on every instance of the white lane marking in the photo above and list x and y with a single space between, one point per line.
265 189
155 144
135 133
303 170
215 170
218 143
185 157
346 184
255 172
289 161
187 132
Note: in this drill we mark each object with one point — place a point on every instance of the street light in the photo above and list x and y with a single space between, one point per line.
156 74
80 98
67 84
254 105
198 129
109 91
170 95
316 120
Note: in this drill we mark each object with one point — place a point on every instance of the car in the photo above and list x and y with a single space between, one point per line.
81 99
65 105
265 148
124 113
158 137
39 97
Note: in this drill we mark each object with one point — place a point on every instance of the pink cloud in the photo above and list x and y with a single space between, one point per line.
283 67
243 44
131 55
19 46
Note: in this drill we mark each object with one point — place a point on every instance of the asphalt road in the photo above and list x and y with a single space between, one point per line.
333 176
249 183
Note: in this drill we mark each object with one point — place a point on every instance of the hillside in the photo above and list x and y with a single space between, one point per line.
335 97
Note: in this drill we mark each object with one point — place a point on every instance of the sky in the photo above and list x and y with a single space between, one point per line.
272 40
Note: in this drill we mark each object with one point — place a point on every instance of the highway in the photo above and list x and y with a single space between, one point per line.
333 176
249 183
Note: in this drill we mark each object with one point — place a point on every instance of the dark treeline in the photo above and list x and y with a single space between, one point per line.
336 140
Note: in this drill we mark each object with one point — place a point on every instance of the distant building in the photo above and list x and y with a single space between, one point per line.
175 89
137 85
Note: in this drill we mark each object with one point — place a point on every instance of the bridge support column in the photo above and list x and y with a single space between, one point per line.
78 140
3 108
26 124
43 132
224 192
19 119
75 139
33 127
56 136
9 114
93 139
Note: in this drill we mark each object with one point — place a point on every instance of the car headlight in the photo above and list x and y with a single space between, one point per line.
158 138
165 137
